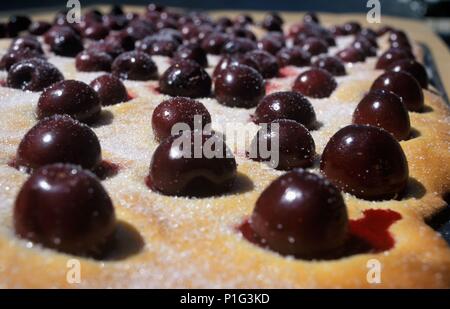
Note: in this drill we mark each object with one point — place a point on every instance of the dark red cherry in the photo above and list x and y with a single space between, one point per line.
224 22
33 75
134 65
39 27
59 139
57 30
13 56
139 29
391 56
311 17
65 208
331 64
265 63
191 51
370 35
365 161
116 10
115 22
66 44
398 36
383 30
315 83
338 30
70 97
314 46
272 22
285 105
121 38
185 79
295 56
172 34
95 31
26 42
110 89
90 61
270 44
213 43
168 23
289 140
178 110
403 85
18 23
239 86
158 45
239 46
365 46
176 170
386 110
111 48
243 19
352 27
301 214
416 69
351 54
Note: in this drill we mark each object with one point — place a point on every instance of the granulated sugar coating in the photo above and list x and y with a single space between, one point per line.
174 242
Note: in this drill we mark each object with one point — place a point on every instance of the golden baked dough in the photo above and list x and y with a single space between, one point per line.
167 242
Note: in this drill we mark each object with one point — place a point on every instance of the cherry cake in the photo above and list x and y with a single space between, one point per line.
92 168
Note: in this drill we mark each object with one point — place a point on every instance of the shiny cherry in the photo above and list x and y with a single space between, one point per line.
70 97
314 46
290 140
110 89
391 56
294 56
65 208
134 65
315 83
386 110
178 110
32 74
301 214
265 63
89 61
13 56
331 64
365 161
411 66
59 139
191 51
39 27
285 105
66 44
176 170
239 86
185 78
158 45
351 55
403 85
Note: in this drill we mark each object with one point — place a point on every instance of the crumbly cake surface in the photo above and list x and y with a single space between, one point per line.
173 242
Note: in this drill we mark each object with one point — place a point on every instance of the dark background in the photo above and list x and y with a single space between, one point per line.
419 9
407 8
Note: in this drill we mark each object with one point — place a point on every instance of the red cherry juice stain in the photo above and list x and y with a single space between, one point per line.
373 228
288 71
271 87
248 233
154 88
367 234
131 95
106 169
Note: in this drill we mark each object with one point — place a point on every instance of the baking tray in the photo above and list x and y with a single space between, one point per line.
441 221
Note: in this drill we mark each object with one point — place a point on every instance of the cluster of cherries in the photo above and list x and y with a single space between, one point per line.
300 213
